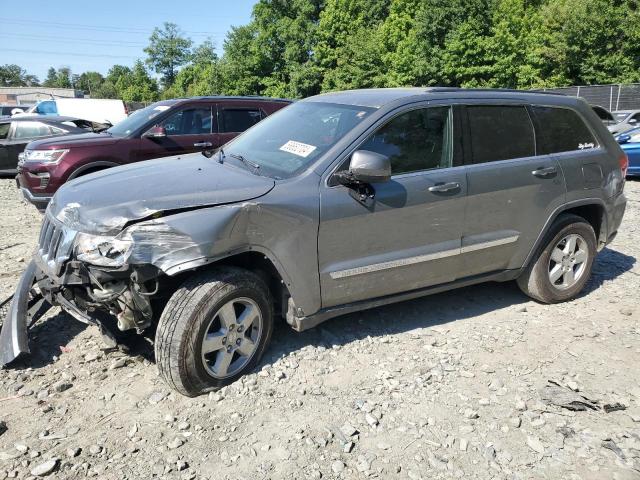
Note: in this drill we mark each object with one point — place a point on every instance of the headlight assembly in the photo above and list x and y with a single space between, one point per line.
45 156
102 251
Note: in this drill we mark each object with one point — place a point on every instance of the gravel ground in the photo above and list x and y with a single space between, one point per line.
443 387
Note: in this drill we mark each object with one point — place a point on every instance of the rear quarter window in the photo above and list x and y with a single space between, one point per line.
561 130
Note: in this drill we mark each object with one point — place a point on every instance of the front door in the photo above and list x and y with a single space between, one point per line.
190 129
512 191
409 237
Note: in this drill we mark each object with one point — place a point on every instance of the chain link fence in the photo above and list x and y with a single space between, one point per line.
611 97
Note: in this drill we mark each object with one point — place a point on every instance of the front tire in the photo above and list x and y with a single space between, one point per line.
214 329
561 270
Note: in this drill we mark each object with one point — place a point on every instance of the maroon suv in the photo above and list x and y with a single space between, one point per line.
170 127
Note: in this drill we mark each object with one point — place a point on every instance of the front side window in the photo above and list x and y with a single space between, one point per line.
414 141
26 130
190 121
500 132
561 130
238 120
139 119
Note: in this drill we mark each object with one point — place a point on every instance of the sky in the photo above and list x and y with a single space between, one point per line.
85 35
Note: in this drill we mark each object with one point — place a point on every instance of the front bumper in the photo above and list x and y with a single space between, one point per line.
39 201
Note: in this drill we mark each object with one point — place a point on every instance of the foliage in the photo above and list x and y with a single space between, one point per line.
167 51
297 48
15 76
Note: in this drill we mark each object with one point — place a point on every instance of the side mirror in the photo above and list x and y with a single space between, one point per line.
369 167
155 132
624 138
633 121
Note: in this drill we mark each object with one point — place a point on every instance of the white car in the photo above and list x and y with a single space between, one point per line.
95 110
627 119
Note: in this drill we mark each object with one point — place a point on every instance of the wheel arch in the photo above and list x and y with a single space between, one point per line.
255 259
91 167
592 210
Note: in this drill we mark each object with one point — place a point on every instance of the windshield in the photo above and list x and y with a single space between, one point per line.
137 119
290 140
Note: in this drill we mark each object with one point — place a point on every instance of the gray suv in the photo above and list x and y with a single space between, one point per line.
338 203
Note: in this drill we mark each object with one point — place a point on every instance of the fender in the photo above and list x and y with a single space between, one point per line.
90 166
561 209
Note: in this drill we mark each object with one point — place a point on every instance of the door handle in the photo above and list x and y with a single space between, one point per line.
545 172
444 187
203 144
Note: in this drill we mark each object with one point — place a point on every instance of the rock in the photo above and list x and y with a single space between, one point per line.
515 422
371 420
573 386
521 405
156 397
626 311
337 467
464 444
535 444
45 468
91 356
73 452
181 465
347 447
184 426
470 414
119 363
348 430
175 443
95 449
62 386
489 453
3 427
21 447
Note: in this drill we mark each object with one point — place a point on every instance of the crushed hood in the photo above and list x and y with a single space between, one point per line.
104 202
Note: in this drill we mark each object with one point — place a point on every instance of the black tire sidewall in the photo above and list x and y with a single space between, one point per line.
551 293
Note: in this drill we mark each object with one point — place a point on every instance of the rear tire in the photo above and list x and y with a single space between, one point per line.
561 269
213 330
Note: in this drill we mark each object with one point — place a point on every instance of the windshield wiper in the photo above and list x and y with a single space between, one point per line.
244 160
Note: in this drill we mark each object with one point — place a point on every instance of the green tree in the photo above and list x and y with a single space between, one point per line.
89 82
60 78
167 51
201 77
12 75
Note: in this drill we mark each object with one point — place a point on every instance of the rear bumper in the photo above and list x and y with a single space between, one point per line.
614 217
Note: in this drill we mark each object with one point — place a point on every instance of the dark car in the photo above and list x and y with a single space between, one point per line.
338 203
166 128
17 132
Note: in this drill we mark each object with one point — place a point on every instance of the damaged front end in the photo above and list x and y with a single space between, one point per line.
84 275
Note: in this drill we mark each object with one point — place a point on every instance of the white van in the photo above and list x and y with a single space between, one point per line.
95 110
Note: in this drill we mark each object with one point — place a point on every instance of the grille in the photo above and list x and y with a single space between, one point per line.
55 244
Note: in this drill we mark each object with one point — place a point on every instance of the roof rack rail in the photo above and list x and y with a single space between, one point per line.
504 90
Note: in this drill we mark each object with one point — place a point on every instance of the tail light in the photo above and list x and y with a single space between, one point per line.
624 164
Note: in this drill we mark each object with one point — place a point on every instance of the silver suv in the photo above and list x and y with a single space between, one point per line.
341 202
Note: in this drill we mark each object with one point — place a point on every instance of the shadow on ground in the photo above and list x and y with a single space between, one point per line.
49 335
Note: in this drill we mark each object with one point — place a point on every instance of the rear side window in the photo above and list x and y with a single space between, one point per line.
500 132
4 130
417 140
238 120
26 130
561 130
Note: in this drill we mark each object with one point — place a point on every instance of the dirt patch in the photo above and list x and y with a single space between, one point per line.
442 387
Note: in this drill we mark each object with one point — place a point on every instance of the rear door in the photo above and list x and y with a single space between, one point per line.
234 117
512 191
20 135
5 127
191 128
409 236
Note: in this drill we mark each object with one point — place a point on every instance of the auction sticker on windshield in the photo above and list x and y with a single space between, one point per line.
298 148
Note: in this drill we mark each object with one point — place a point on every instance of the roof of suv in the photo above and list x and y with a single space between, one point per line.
377 97
251 98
